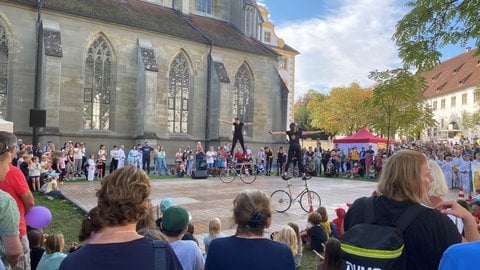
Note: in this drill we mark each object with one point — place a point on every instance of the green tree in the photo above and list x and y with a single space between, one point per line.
431 25
302 108
397 101
343 111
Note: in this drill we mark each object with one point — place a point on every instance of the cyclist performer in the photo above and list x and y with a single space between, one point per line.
237 133
294 150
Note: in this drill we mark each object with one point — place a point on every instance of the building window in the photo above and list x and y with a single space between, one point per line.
3 73
464 99
204 6
434 105
267 37
283 63
178 95
241 94
98 86
453 102
442 104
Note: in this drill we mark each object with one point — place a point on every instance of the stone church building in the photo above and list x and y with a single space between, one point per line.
125 71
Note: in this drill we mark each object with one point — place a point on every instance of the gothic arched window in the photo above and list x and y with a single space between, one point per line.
3 73
241 94
98 86
178 95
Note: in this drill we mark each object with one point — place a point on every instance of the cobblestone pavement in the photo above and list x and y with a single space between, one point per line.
209 198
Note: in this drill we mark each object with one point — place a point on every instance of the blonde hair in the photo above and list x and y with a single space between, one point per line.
214 227
287 235
402 177
438 187
54 243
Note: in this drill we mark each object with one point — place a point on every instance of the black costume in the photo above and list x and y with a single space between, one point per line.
294 150
237 136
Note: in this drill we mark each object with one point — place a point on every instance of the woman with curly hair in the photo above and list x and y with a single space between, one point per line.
123 201
248 249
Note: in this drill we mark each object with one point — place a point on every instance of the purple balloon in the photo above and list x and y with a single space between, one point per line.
38 217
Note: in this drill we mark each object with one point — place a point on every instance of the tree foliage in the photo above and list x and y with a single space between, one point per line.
303 109
343 111
398 103
431 25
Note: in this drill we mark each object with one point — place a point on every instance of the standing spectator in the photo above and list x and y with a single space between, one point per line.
70 165
162 168
114 156
281 158
77 159
199 156
178 159
53 255
146 150
210 157
122 202
121 156
102 159
91 167
248 249
34 173
134 156
317 158
10 245
269 160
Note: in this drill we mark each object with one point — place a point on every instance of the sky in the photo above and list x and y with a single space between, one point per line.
340 41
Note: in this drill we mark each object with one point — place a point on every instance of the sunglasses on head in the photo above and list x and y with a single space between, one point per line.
4 148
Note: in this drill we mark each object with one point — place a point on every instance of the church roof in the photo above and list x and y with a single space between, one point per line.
159 19
457 73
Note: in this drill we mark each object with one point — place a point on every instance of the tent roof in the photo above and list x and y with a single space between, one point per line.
362 136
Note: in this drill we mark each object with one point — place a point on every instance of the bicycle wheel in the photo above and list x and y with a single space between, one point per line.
227 175
310 201
281 200
248 176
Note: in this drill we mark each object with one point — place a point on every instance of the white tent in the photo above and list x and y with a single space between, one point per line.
6 125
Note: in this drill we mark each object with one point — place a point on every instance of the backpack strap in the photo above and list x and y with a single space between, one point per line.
403 221
412 212
159 254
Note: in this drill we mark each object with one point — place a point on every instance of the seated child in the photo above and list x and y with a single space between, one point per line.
53 189
35 240
354 171
315 234
53 256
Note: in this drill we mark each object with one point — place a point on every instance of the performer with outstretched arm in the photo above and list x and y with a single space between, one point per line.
294 136
237 133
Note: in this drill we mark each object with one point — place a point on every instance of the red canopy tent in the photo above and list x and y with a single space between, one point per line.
363 138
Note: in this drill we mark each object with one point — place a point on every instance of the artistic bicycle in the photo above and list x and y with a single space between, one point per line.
245 172
282 199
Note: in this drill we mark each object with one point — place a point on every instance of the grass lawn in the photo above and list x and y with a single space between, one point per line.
66 218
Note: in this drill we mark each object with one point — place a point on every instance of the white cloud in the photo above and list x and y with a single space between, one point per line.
344 45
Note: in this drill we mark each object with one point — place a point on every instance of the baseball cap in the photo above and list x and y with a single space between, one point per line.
175 218
166 203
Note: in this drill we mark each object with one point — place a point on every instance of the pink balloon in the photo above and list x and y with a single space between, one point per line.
38 217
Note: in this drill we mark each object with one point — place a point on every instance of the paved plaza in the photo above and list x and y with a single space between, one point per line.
209 198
